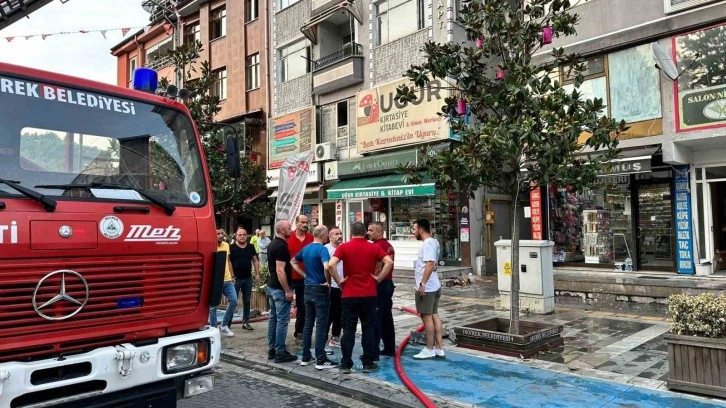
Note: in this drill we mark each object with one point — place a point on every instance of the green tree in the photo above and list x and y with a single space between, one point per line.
204 105
526 127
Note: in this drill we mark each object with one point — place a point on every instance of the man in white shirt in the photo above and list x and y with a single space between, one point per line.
428 291
334 317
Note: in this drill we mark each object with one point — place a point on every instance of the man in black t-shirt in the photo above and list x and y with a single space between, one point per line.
243 256
279 294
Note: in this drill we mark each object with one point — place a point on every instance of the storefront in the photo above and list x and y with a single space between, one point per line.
370 190
629 223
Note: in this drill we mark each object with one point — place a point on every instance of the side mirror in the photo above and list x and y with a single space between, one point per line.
234 168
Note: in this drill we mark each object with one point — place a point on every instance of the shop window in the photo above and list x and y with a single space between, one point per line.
441 210
295 61
218 26
253 71
394 19
251 10
220 85
192 34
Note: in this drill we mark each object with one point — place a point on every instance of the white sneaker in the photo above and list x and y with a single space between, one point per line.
334 342
425 354
439 353
226 331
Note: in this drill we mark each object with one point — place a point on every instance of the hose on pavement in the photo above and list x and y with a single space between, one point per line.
399 367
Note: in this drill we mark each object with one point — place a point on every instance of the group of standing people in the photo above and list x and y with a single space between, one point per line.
335 285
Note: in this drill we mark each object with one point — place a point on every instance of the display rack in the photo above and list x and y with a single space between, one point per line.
655 228
597 245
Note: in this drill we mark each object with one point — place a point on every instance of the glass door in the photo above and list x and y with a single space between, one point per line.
655 226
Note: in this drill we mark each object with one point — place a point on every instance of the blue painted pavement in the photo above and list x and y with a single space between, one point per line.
493 383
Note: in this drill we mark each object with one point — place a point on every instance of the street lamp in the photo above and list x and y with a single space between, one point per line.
151 7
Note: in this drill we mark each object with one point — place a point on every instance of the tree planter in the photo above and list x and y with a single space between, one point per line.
259 301
491 335
697 364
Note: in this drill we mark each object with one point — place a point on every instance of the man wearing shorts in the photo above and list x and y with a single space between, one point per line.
428 291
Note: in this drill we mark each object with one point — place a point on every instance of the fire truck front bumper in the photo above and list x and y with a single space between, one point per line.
156 373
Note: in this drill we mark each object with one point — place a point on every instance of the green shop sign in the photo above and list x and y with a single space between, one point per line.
379 163
384 192
703 107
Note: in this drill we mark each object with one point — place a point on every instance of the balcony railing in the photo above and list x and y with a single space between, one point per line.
350 50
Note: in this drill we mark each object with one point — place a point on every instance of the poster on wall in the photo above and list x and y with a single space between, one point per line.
383 123
293 177
291 134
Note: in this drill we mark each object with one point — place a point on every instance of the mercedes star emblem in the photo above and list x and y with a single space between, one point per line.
65 231
62 296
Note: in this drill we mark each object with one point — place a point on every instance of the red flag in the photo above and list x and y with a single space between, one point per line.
167 28
125 31
9 38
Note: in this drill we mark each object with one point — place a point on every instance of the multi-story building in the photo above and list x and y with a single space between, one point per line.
663 208
336 64
234 39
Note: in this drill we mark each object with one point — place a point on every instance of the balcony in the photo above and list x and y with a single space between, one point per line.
338 70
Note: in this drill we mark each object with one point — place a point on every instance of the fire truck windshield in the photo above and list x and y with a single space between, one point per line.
56 139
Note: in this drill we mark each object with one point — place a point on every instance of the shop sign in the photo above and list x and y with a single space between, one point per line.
535 203
273 176
684 233
290 134
464 224
381 163
330 170
382 192
384 123
339 213
627 166
703 107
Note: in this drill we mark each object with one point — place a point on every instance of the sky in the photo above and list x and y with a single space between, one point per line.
84 55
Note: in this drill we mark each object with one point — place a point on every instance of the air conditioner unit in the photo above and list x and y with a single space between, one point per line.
324 152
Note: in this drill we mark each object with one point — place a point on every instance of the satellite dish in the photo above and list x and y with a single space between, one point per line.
664 61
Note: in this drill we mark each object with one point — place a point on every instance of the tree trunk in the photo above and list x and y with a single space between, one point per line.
514 290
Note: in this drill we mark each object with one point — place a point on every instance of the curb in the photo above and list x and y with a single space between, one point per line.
379 391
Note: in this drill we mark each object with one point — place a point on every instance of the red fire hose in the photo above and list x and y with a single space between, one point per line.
399 367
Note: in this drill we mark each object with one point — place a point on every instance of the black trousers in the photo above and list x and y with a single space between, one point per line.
363 308
384 323
336 308
299 288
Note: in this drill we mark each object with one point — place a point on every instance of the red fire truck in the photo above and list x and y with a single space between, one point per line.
107 246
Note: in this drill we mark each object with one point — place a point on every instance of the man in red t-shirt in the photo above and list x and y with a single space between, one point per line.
359 296
384 323
295 244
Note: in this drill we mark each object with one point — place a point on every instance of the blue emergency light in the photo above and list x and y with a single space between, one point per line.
145 80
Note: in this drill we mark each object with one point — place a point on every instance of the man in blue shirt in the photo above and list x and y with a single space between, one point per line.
315 257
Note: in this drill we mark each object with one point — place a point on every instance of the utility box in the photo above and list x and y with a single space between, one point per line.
536 277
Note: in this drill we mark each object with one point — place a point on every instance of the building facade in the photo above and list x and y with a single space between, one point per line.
663 205
336 65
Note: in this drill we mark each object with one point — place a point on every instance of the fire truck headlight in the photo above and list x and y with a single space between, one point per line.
186 356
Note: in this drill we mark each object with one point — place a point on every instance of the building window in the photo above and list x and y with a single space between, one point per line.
294 61
132 67
286 3
251 10
220 85
394 19
192 33
253 71
157 56
219 23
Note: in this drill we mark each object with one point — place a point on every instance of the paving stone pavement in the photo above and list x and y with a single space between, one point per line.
239 387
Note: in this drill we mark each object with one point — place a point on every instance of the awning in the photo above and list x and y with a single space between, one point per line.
629 162
391 185
310 29
308 190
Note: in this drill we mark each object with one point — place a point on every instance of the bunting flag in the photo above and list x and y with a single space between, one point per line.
103 32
